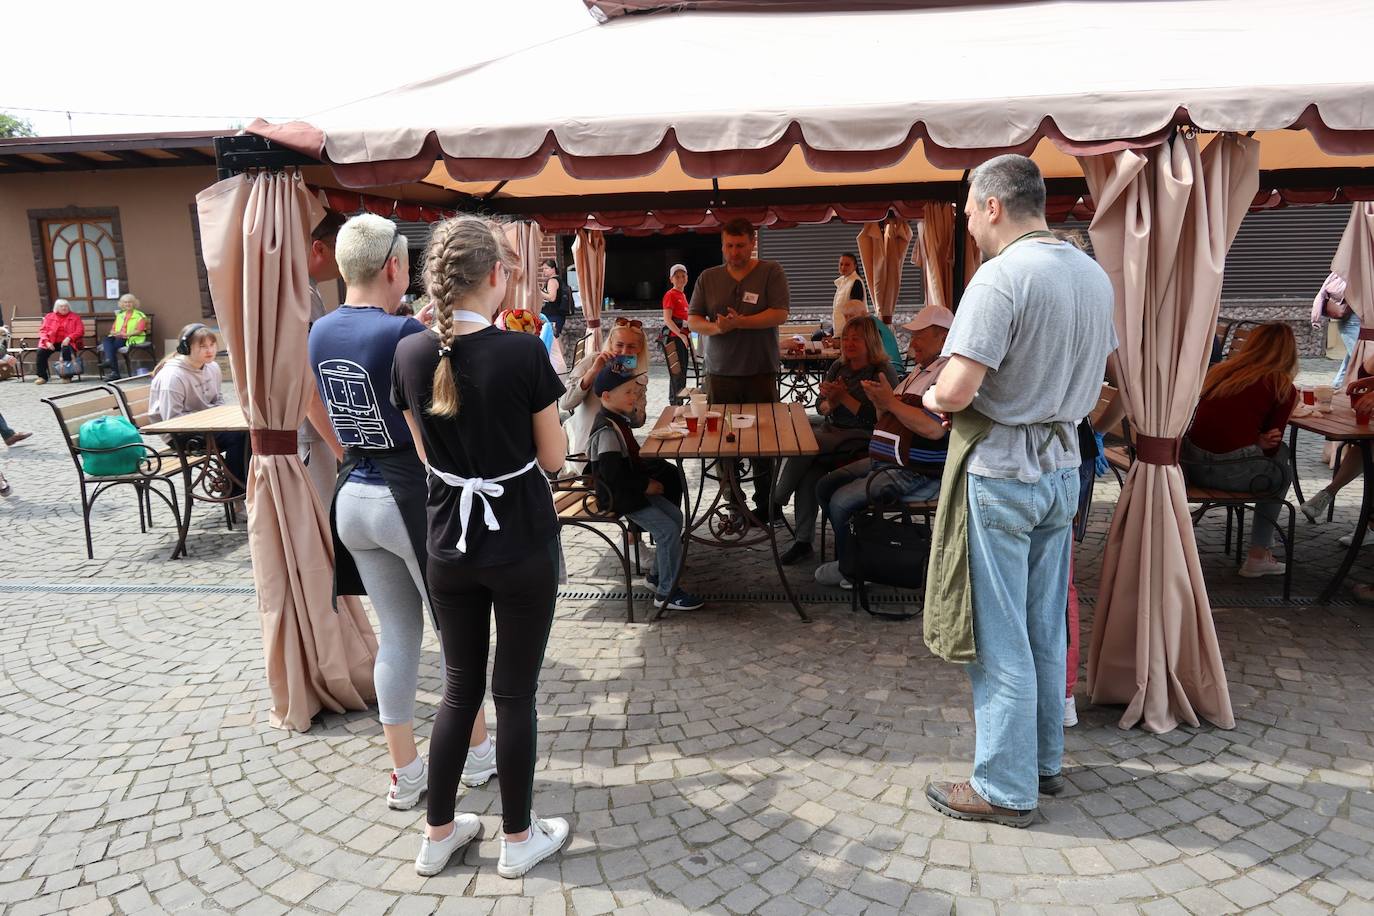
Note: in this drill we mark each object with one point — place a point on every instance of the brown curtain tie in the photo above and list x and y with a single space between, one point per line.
1366 333
887 319
273 441
1158 449
593 323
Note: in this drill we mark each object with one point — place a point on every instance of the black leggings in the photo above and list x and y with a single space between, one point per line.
463 597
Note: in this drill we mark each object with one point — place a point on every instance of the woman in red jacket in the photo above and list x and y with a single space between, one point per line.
61 330
1236 440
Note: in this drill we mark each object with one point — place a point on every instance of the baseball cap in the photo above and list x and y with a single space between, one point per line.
675 268
936 315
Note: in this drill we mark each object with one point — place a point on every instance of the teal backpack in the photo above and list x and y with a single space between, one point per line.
113 433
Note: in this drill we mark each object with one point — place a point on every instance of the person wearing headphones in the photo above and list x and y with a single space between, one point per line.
190 380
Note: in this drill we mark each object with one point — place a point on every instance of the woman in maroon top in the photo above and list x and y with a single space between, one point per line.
1236 440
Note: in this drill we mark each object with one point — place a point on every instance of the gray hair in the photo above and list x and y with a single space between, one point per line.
1015 181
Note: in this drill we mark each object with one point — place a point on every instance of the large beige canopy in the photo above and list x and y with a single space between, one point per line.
754 101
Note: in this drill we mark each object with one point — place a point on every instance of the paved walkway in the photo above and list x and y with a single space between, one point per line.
732 760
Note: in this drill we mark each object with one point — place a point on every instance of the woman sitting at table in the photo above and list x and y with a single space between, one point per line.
189 380
1352 464
1236 440
842 429
130 329
626 341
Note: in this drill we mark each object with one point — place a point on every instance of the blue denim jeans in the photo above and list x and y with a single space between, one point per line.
1349 328
1019 545
663 520
845 491
110 346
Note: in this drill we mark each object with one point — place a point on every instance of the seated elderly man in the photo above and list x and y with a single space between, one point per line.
908 446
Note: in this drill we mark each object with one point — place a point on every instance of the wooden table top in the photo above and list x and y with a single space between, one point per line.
780 431
1338 425
226 418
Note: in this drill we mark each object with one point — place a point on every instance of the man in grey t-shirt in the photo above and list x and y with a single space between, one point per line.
1028 350
737 308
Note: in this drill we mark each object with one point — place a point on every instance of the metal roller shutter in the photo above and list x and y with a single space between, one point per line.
809 255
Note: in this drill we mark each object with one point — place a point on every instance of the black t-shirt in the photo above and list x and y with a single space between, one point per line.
856 292
504 378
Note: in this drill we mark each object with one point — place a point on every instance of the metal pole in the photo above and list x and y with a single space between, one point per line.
960 231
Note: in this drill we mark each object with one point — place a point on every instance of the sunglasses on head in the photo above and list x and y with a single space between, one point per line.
628 323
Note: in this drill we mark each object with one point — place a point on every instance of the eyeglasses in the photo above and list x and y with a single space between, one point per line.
628 323
390 245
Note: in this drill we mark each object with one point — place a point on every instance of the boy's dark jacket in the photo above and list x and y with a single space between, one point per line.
621 477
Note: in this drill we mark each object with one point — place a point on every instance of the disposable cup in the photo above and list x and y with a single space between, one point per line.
1324 395
712 421
692 421
1309 397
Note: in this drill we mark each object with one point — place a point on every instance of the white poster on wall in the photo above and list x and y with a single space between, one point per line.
112 289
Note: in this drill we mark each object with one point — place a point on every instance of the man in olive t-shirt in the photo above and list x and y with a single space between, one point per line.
737 308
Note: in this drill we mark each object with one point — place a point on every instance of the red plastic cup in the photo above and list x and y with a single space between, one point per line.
713 422
691 424
1309 397
1362 418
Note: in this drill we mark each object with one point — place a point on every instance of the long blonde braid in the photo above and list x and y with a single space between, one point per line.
462 251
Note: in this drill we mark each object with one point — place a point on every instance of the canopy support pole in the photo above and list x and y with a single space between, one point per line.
960 231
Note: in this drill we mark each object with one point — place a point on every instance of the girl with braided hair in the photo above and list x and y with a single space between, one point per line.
482 405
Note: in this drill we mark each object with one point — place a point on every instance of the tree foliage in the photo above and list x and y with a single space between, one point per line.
11 126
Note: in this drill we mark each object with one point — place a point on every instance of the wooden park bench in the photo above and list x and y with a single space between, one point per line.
574 500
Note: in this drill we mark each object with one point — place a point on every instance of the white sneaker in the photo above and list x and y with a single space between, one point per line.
1346 540
547 836
1070 712
1253 569
479 767
829 574
405 792
1315 508
434 854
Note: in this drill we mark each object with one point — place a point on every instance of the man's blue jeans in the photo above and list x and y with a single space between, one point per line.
663 520
1019 543
845 491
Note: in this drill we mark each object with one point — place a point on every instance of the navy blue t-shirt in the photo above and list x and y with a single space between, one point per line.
351 352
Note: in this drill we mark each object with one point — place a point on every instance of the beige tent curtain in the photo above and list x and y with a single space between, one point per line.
523 292
1165 219
1354 261
255 232
883 247
589 256
937 253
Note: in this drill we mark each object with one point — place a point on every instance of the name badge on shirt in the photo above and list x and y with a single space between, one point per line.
751 298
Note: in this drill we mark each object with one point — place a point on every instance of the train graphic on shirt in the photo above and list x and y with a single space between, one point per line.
352 404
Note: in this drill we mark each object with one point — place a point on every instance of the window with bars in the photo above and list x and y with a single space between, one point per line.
80 256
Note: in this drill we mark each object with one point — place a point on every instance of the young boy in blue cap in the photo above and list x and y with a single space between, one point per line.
645 490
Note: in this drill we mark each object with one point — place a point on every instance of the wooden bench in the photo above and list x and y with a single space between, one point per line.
79 407
574 501
25 331
128 351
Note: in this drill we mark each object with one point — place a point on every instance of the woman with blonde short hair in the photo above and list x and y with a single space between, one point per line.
130 329
626 340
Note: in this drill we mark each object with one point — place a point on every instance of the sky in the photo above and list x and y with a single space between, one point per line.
162 61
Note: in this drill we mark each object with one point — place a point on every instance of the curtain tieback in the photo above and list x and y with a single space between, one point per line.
1158 449
273 441
1366 333
593 323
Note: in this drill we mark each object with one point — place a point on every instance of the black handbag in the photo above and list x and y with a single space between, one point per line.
889 551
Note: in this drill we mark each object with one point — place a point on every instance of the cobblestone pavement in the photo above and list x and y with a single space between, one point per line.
732 761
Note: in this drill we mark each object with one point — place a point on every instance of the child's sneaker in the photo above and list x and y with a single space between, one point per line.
547 836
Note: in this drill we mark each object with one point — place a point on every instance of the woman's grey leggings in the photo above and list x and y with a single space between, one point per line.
372 529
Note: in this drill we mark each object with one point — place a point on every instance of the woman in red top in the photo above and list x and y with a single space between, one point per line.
675 323
62 330
1236 440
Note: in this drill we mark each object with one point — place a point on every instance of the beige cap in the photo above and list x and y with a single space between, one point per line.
931 315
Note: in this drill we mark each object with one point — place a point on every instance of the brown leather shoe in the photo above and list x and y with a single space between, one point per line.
959 800
16 438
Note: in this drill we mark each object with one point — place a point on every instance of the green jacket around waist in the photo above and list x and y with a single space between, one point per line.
949 589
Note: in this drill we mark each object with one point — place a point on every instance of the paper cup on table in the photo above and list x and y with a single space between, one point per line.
1324 396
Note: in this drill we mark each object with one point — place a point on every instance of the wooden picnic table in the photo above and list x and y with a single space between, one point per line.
1339 426
213 474
779 431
